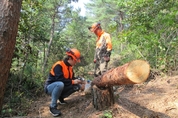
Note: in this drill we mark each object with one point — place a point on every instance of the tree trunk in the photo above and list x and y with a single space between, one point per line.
50 42
9 18
134 72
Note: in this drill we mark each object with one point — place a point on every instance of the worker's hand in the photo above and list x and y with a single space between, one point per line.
77 81
94 61
107 59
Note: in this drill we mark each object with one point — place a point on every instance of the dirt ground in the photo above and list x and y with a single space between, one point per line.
156 98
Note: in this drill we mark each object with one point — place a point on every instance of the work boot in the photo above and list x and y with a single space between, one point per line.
61 101
54 111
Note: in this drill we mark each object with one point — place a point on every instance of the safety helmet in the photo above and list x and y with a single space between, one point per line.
74 53
94 27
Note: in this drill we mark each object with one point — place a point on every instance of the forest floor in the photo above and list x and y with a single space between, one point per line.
155 98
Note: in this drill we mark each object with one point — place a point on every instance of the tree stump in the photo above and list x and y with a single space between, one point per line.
134 72
102 99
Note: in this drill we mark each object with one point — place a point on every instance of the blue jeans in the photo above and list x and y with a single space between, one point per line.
58 90
55 89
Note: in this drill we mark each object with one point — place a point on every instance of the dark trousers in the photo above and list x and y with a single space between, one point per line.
68 90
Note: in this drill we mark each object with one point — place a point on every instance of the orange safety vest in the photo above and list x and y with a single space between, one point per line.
107 40
67 70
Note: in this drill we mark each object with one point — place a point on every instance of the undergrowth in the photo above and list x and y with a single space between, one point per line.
19 94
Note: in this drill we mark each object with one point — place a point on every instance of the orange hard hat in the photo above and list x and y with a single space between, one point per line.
94 27
74 53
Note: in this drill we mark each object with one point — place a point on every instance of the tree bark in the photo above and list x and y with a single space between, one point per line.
134 72
9 18
102 99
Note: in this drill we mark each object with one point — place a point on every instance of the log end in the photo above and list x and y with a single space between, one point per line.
138 71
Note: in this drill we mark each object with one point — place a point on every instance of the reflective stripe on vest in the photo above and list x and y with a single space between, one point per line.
67 70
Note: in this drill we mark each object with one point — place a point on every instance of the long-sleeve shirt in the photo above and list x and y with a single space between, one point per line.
103 45
59 75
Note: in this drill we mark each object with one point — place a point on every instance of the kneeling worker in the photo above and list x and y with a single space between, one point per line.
61 81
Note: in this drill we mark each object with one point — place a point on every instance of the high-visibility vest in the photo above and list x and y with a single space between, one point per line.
67 70
104 38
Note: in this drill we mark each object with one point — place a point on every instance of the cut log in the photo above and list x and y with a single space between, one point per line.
134 72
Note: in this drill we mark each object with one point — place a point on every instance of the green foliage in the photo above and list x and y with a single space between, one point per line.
19 94
27 80
107 114
140 29
76 36
151 30
109 12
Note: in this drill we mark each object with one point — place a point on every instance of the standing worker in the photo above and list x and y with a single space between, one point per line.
61 81
103 49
